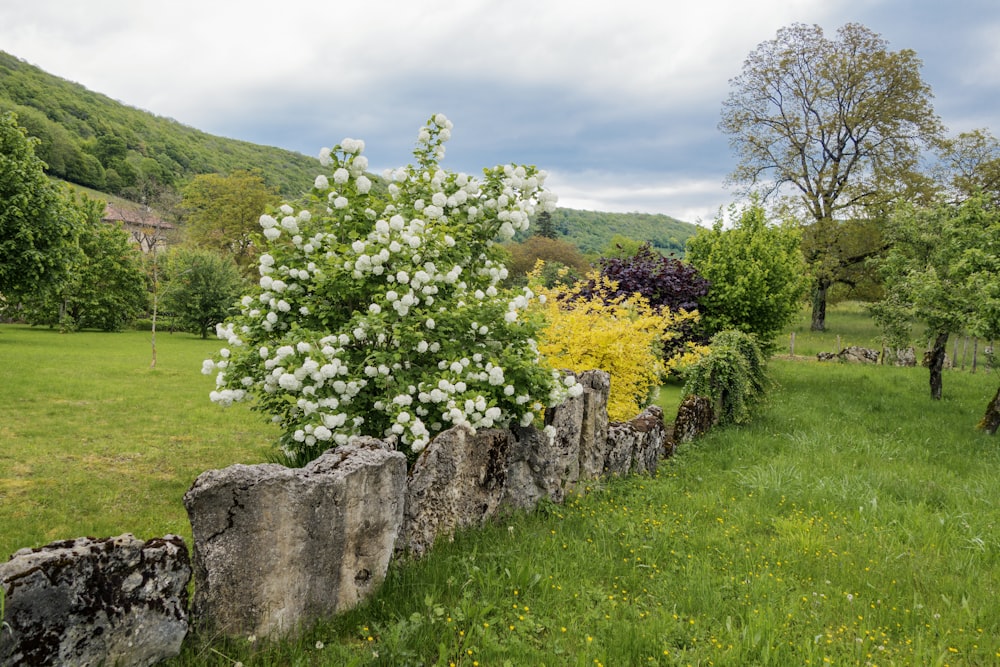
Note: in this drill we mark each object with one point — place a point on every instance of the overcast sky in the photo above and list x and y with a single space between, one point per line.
619 101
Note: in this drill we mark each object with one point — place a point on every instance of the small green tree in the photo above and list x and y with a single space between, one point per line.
202 289
544 226
37 232
756 273
943 271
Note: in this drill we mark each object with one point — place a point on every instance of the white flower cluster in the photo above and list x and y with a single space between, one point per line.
391 323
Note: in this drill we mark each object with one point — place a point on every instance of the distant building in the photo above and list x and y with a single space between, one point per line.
143 225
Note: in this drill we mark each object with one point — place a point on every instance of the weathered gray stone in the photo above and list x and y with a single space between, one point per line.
858 355
276 548
112 601
906 357
457 481
563 451
694 417
594 427
636 446
529 471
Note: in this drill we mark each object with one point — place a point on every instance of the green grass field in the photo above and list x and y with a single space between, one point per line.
94 442
854 522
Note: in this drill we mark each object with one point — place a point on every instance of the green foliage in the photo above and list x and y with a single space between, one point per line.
970 166
222 214
201 289
593 231
106 283
838 123
943 271
544 226
90 139
733 375
756 273
37 226
621 247
559 255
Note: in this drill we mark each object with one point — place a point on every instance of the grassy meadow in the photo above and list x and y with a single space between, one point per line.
854 522
94 442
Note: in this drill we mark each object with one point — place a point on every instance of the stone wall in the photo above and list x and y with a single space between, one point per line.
277 548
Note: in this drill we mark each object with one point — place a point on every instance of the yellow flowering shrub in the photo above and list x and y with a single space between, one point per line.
622 335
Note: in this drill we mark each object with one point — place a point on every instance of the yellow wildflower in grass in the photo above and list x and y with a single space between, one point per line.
622 335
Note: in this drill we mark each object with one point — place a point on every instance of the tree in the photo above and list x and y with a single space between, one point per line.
544 225
37 229
202 288
839 124
970 165
106 286
558 254
756 272
943 270
222 213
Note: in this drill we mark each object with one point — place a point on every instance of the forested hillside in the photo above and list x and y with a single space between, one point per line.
89 139
593 231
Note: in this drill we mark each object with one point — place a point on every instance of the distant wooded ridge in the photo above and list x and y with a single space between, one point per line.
91 140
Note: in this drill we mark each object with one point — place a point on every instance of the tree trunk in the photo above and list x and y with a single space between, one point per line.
819 305
938 353
991 420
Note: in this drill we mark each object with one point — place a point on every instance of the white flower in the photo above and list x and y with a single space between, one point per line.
286 209
341 176
324 157
321 183
340 202
353 146
267 221
429 323
272 233
363 184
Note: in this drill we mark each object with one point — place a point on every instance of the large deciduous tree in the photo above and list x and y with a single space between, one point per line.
222 213
37 231
106 285
837 126
943 271
756 273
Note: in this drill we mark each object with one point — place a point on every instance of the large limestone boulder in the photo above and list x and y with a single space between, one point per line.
636 446
457 481
276 548
111 601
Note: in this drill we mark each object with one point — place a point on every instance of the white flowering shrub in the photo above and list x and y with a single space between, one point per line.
383 316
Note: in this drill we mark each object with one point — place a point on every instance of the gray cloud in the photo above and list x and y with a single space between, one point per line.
619 101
